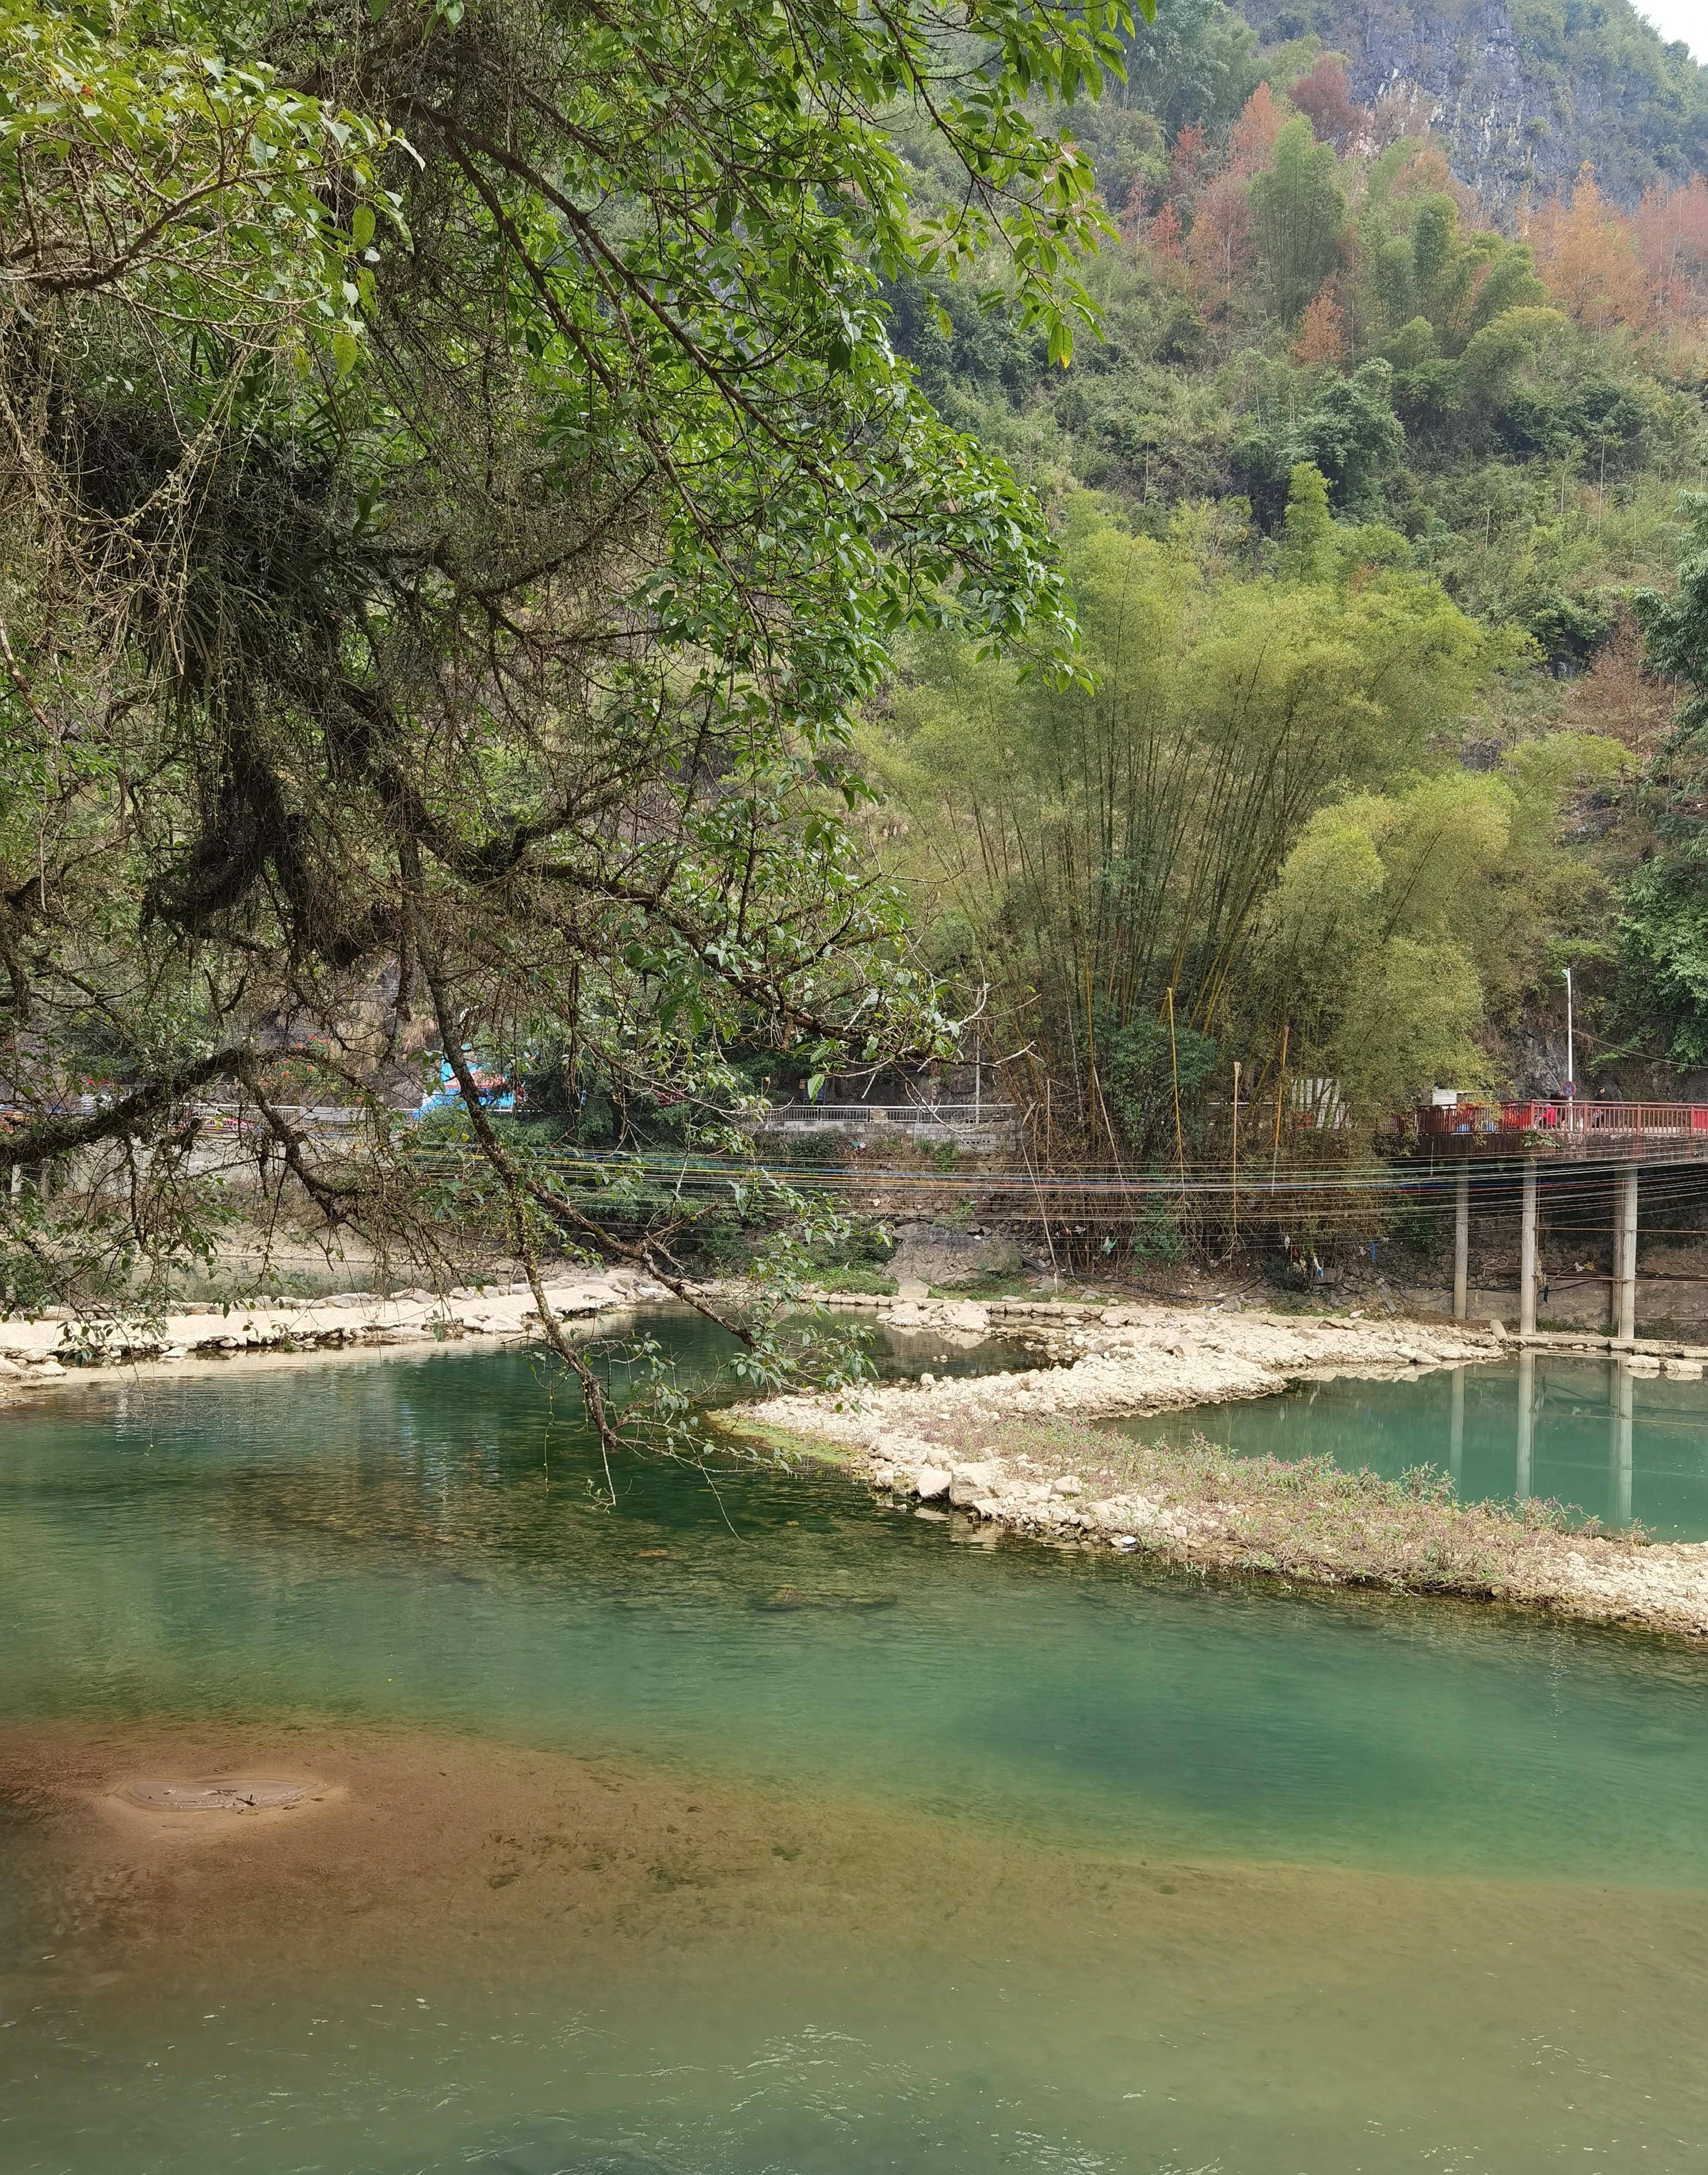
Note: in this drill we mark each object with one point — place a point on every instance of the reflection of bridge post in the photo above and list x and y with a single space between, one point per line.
1461 1240
1526 1253
1624 1306
1456 1430
1527 1421
1621 1434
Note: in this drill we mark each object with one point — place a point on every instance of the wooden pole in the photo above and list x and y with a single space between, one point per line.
1233 1175
1174 1070
1461 1240
1280 1090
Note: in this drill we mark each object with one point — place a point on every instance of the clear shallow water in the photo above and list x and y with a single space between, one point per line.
1587 1433
1017 1858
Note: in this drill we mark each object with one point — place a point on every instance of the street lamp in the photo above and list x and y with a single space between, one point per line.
1570 1056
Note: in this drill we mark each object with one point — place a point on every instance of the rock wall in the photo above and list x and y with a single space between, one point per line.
1521 96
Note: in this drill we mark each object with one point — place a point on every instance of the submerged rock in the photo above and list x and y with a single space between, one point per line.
237 1793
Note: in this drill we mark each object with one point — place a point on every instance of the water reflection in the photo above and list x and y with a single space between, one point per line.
1455 1435
1624 1403
1611 1442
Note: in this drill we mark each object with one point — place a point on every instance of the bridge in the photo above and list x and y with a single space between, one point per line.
1626 1137
1564 1126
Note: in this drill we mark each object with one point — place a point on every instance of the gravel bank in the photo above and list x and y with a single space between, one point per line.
1018 1451
36 1353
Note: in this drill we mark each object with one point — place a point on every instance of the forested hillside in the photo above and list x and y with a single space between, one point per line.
1362 491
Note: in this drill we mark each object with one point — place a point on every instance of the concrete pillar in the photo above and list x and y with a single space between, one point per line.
1621 1433
1624 1306
1526 1253
1456 1430
1526 1423
1462 1241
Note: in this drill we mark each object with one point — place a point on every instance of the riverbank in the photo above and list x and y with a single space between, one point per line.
39 1351
1023 1453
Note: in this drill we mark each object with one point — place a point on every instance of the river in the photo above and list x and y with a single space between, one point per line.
748 1827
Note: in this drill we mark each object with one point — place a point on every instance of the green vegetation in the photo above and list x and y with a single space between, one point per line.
1359 497
665 553
442 557
1592 81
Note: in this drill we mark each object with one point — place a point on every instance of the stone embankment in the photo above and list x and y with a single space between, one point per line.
36 1352
1022 1452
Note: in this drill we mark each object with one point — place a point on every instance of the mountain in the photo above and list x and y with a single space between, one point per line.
1523 92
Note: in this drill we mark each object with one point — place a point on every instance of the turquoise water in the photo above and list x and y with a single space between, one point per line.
1587 1433
746 1827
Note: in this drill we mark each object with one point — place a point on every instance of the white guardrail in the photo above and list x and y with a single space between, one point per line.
917 1114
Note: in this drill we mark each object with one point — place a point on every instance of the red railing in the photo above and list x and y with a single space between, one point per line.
1572 1120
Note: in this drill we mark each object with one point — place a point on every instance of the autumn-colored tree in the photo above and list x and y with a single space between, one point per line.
1189 161
1587 251
1324 96
1252 143
1321 337
1671 226
1427 172
1166 236
1220 250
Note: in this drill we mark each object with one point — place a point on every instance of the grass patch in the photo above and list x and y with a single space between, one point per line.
1310 1519
872 1281
742 1427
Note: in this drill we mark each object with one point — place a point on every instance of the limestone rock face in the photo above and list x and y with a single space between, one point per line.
1518 114
939 1254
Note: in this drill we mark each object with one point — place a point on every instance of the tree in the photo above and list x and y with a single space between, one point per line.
1308 531
439 576
1663 927
1104 846
1298 211
1251 143
1588 257
1321 337
1352 436
1193 64
1323 95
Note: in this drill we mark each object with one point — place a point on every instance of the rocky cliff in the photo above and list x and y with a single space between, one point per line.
1524 92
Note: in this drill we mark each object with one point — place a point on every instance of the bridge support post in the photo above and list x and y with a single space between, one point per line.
1526 1253
1526 1423
1624 1306
1461 1240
